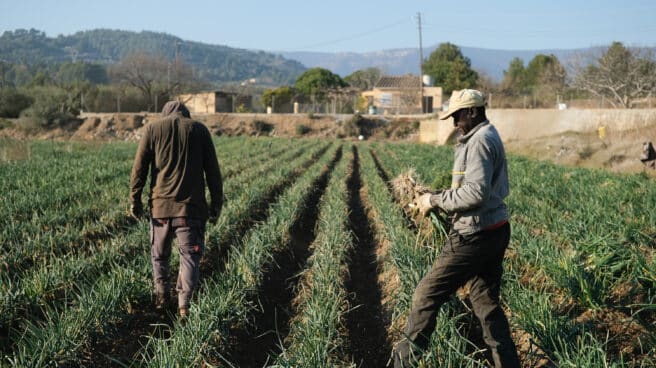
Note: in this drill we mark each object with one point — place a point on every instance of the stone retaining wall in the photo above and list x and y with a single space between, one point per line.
521 124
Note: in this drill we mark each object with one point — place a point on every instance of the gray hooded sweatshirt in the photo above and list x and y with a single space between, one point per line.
479 183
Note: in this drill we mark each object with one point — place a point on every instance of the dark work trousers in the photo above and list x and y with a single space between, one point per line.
191 235
477 257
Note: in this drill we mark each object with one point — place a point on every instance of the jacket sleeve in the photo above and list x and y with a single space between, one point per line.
476 185
142 162
212 171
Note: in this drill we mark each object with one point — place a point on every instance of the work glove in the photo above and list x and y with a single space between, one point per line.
136 211
423 203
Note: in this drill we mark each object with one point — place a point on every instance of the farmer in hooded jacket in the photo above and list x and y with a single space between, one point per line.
477 240
179 154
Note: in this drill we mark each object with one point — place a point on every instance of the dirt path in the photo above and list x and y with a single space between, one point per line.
366 322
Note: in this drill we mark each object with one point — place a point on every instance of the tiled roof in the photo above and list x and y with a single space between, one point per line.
398 82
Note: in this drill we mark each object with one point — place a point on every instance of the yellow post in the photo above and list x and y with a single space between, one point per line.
602 132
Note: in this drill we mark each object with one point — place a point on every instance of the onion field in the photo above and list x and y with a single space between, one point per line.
313 262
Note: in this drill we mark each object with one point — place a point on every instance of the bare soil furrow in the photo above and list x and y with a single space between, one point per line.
366 322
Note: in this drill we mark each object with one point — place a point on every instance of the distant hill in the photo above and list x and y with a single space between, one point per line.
404 61
213 63
222 64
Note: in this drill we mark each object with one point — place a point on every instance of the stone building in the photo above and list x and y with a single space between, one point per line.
401 95
216 101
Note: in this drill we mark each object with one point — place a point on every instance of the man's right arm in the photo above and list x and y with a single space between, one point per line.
140 168
212 174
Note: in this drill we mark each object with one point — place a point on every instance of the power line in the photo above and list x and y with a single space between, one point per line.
570 31
352 37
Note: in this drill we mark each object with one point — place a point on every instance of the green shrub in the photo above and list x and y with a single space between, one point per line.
352 126
45 116
260 126
241 108
4 123
13 102
403 131
302 129
52 107
29 123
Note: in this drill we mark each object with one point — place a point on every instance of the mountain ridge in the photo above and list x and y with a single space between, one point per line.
491 62
214 63
221 64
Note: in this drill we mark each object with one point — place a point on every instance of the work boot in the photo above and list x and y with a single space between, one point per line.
160 302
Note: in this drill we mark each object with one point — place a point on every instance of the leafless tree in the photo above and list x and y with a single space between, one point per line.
342 99
621 75
156 77
365 79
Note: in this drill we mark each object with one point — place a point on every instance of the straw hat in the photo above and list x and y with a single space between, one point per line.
462 100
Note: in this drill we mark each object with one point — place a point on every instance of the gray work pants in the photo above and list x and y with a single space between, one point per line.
191 239
477 258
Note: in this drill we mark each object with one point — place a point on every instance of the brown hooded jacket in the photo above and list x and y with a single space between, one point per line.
180 156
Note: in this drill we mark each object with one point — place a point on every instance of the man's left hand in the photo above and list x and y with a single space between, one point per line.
136 211
423 203
214 214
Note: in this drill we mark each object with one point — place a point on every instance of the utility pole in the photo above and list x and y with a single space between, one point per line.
177 67
421 65
168 77
2 74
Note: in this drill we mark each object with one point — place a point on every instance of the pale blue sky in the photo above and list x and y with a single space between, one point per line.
340 25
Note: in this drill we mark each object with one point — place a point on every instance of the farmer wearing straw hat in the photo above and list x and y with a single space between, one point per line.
179 154
477 240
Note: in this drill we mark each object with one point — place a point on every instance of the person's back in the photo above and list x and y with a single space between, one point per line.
179 188
180 150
